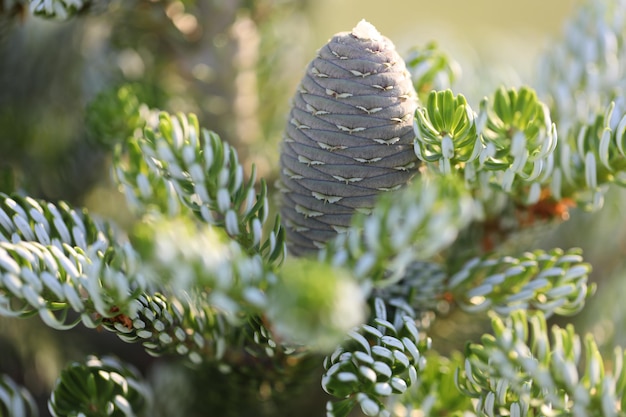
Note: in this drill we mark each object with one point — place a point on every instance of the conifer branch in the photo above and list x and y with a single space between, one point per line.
54 260
57 9
554 282
217 289
431 69
405 226
99 387
582 77
524 371
511 136
380 359
15 400
194 166
591 157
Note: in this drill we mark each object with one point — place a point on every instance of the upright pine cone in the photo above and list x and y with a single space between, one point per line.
348 138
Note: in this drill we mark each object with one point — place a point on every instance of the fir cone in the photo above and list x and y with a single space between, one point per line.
348 138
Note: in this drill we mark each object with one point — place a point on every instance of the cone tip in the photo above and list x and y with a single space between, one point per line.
366 31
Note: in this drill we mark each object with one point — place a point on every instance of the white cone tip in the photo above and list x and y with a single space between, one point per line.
366 31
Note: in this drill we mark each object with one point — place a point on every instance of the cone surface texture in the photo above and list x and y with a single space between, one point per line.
349 136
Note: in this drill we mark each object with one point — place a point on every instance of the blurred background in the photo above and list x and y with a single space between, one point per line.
236 63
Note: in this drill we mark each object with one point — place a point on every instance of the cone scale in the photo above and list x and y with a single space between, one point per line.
349 136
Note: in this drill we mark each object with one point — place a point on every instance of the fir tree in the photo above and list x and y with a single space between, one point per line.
399 203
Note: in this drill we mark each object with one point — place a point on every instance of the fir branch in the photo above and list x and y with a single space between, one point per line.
411 224
212 292
99 388
445 130
54 260
190 328
57 9
512 137
183 257
524 372
507 148
435 392
581 73
591 157
305 301
421 289
430 69
16 401
43 280
553 282
26 219
582 76
195 166
114 115
380 359
50 271
519 137
314 304
145 190
186 327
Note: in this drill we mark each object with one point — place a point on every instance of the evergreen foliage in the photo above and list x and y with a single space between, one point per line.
204 276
